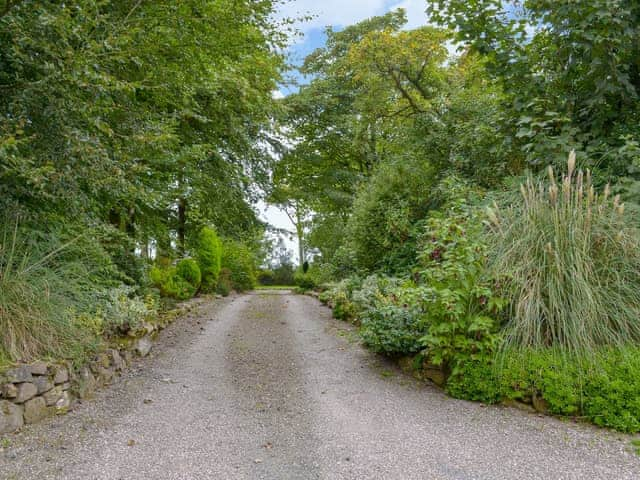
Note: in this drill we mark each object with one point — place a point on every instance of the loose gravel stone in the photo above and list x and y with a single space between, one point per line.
279 390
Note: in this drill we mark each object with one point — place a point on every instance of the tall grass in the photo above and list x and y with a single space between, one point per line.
569 261
38 299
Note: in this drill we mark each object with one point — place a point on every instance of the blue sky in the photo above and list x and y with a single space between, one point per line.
337 13
340 13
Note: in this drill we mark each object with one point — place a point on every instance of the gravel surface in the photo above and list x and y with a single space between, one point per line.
268 386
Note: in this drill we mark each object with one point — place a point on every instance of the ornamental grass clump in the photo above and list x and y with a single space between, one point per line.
568 260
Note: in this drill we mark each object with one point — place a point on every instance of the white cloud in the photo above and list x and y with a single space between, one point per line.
416 15
332 12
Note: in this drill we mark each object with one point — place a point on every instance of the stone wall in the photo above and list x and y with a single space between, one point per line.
32 392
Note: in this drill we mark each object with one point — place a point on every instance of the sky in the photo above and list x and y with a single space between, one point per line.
337 13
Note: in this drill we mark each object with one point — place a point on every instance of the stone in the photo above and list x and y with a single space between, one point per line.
127 357
105 375
143 346
26 391
35 410
43 384
117 360
87 383
540 404
66 386
435 374
103 360
19 374
61 375
53 395
39 368
11 417
9 390
64 402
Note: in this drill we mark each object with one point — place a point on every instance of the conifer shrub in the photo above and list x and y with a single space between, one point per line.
209 258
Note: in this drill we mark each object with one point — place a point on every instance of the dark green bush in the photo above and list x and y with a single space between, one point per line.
209 257
392 330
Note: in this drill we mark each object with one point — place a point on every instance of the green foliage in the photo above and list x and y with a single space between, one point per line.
392 329
180 282
189 270
39 297
304 281
474 380
225 284
589 92
209 257
240 261
459 305
570 263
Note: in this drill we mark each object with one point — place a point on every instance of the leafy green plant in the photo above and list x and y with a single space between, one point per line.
569 260
392 329
209 257
180 282
459 305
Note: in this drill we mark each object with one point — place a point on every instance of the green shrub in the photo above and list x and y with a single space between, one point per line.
304 281
343 308
239 259
180 282
209 257
459 306
392 330
225 286
474 380
569 261
189 270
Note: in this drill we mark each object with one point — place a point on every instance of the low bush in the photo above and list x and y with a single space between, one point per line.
304 281
392 329
180 282
209 258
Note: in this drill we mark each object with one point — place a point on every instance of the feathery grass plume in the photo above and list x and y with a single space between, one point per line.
571 265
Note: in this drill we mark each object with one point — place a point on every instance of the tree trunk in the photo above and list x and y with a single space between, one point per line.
182 225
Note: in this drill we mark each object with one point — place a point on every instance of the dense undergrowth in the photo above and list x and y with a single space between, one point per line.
529 301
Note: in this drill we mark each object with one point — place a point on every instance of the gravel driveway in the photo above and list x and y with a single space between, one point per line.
268 386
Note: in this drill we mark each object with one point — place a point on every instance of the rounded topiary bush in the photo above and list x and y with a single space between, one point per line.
209 257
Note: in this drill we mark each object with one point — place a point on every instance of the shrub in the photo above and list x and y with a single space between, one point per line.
474 380
455 295
225 285
266 277
209 257
570 264
239 260
180 282
392 329
189 270
304 281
